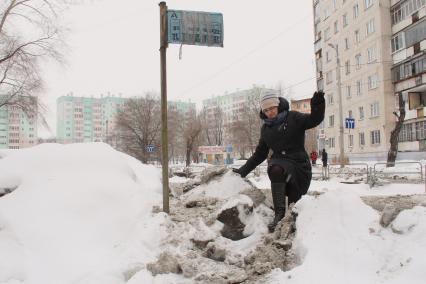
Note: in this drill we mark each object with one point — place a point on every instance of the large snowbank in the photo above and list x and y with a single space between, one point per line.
80 213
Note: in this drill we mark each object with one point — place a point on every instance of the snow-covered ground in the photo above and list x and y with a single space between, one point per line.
83 213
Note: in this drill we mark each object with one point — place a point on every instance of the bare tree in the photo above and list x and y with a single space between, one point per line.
138 125
192 130
217 125
29 33
394 138
205 125
245 129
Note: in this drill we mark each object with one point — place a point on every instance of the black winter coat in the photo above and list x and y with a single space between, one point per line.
287 142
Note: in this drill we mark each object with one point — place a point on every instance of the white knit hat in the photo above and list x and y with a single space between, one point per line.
269 100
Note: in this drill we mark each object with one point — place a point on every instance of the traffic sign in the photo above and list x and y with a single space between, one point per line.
350 123
150 148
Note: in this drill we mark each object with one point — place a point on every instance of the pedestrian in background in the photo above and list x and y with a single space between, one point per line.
314 157
324 158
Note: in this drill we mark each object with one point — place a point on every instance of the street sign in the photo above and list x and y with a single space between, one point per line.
195 28
150 148
350 123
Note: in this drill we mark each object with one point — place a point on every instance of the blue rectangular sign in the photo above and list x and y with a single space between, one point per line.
350 123
195 28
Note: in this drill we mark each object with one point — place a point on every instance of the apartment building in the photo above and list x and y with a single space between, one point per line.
89 119
17 128
86 119
304 106
223 111
408 46
358 33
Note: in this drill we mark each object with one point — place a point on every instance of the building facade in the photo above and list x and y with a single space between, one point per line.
86 119
357 33
311 135
17 128
408 47
223 112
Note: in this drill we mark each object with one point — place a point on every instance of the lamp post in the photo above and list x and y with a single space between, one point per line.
339 92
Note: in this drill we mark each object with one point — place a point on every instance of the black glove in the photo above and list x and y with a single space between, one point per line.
240 172
318 98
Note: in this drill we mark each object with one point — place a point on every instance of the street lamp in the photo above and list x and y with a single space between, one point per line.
339 92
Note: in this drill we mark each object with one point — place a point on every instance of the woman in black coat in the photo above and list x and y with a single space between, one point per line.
283 138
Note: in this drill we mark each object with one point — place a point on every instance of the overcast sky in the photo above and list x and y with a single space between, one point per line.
114 47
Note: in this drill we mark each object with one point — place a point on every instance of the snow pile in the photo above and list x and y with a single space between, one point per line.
340 240
79 213
82 214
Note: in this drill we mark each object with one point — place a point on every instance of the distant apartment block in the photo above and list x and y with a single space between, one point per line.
89 119
228 108
86 119
17 128
408 47
358 32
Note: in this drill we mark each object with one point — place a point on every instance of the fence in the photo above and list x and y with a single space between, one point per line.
407 173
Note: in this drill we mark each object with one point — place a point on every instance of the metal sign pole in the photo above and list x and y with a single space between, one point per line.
164 139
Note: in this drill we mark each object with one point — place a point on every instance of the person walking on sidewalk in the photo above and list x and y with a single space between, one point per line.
282 136
314 157
324 158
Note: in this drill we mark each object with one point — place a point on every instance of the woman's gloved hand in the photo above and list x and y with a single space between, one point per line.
240 172
318 98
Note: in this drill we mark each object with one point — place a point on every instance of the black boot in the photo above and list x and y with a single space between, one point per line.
278 198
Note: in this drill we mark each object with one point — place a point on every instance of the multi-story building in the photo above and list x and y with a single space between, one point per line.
89 119
86 119
18 129
223 111
304 106
408 46
358 33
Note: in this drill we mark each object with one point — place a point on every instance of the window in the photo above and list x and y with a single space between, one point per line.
348 92
415 33
351 140
370 27
326 34
368 4
361 139
326 13
327 56
346 43
405 9
375 137
330 99
372 82
397 42
348 67
331 142
356 11
329 77
406 133
420 130
331 121
357 37
358 87
371 54
361 112
358 61
408 69
350 114
336 27
374 109
334 4
345 19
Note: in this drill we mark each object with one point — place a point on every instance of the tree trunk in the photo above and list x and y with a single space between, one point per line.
394 138
188 154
